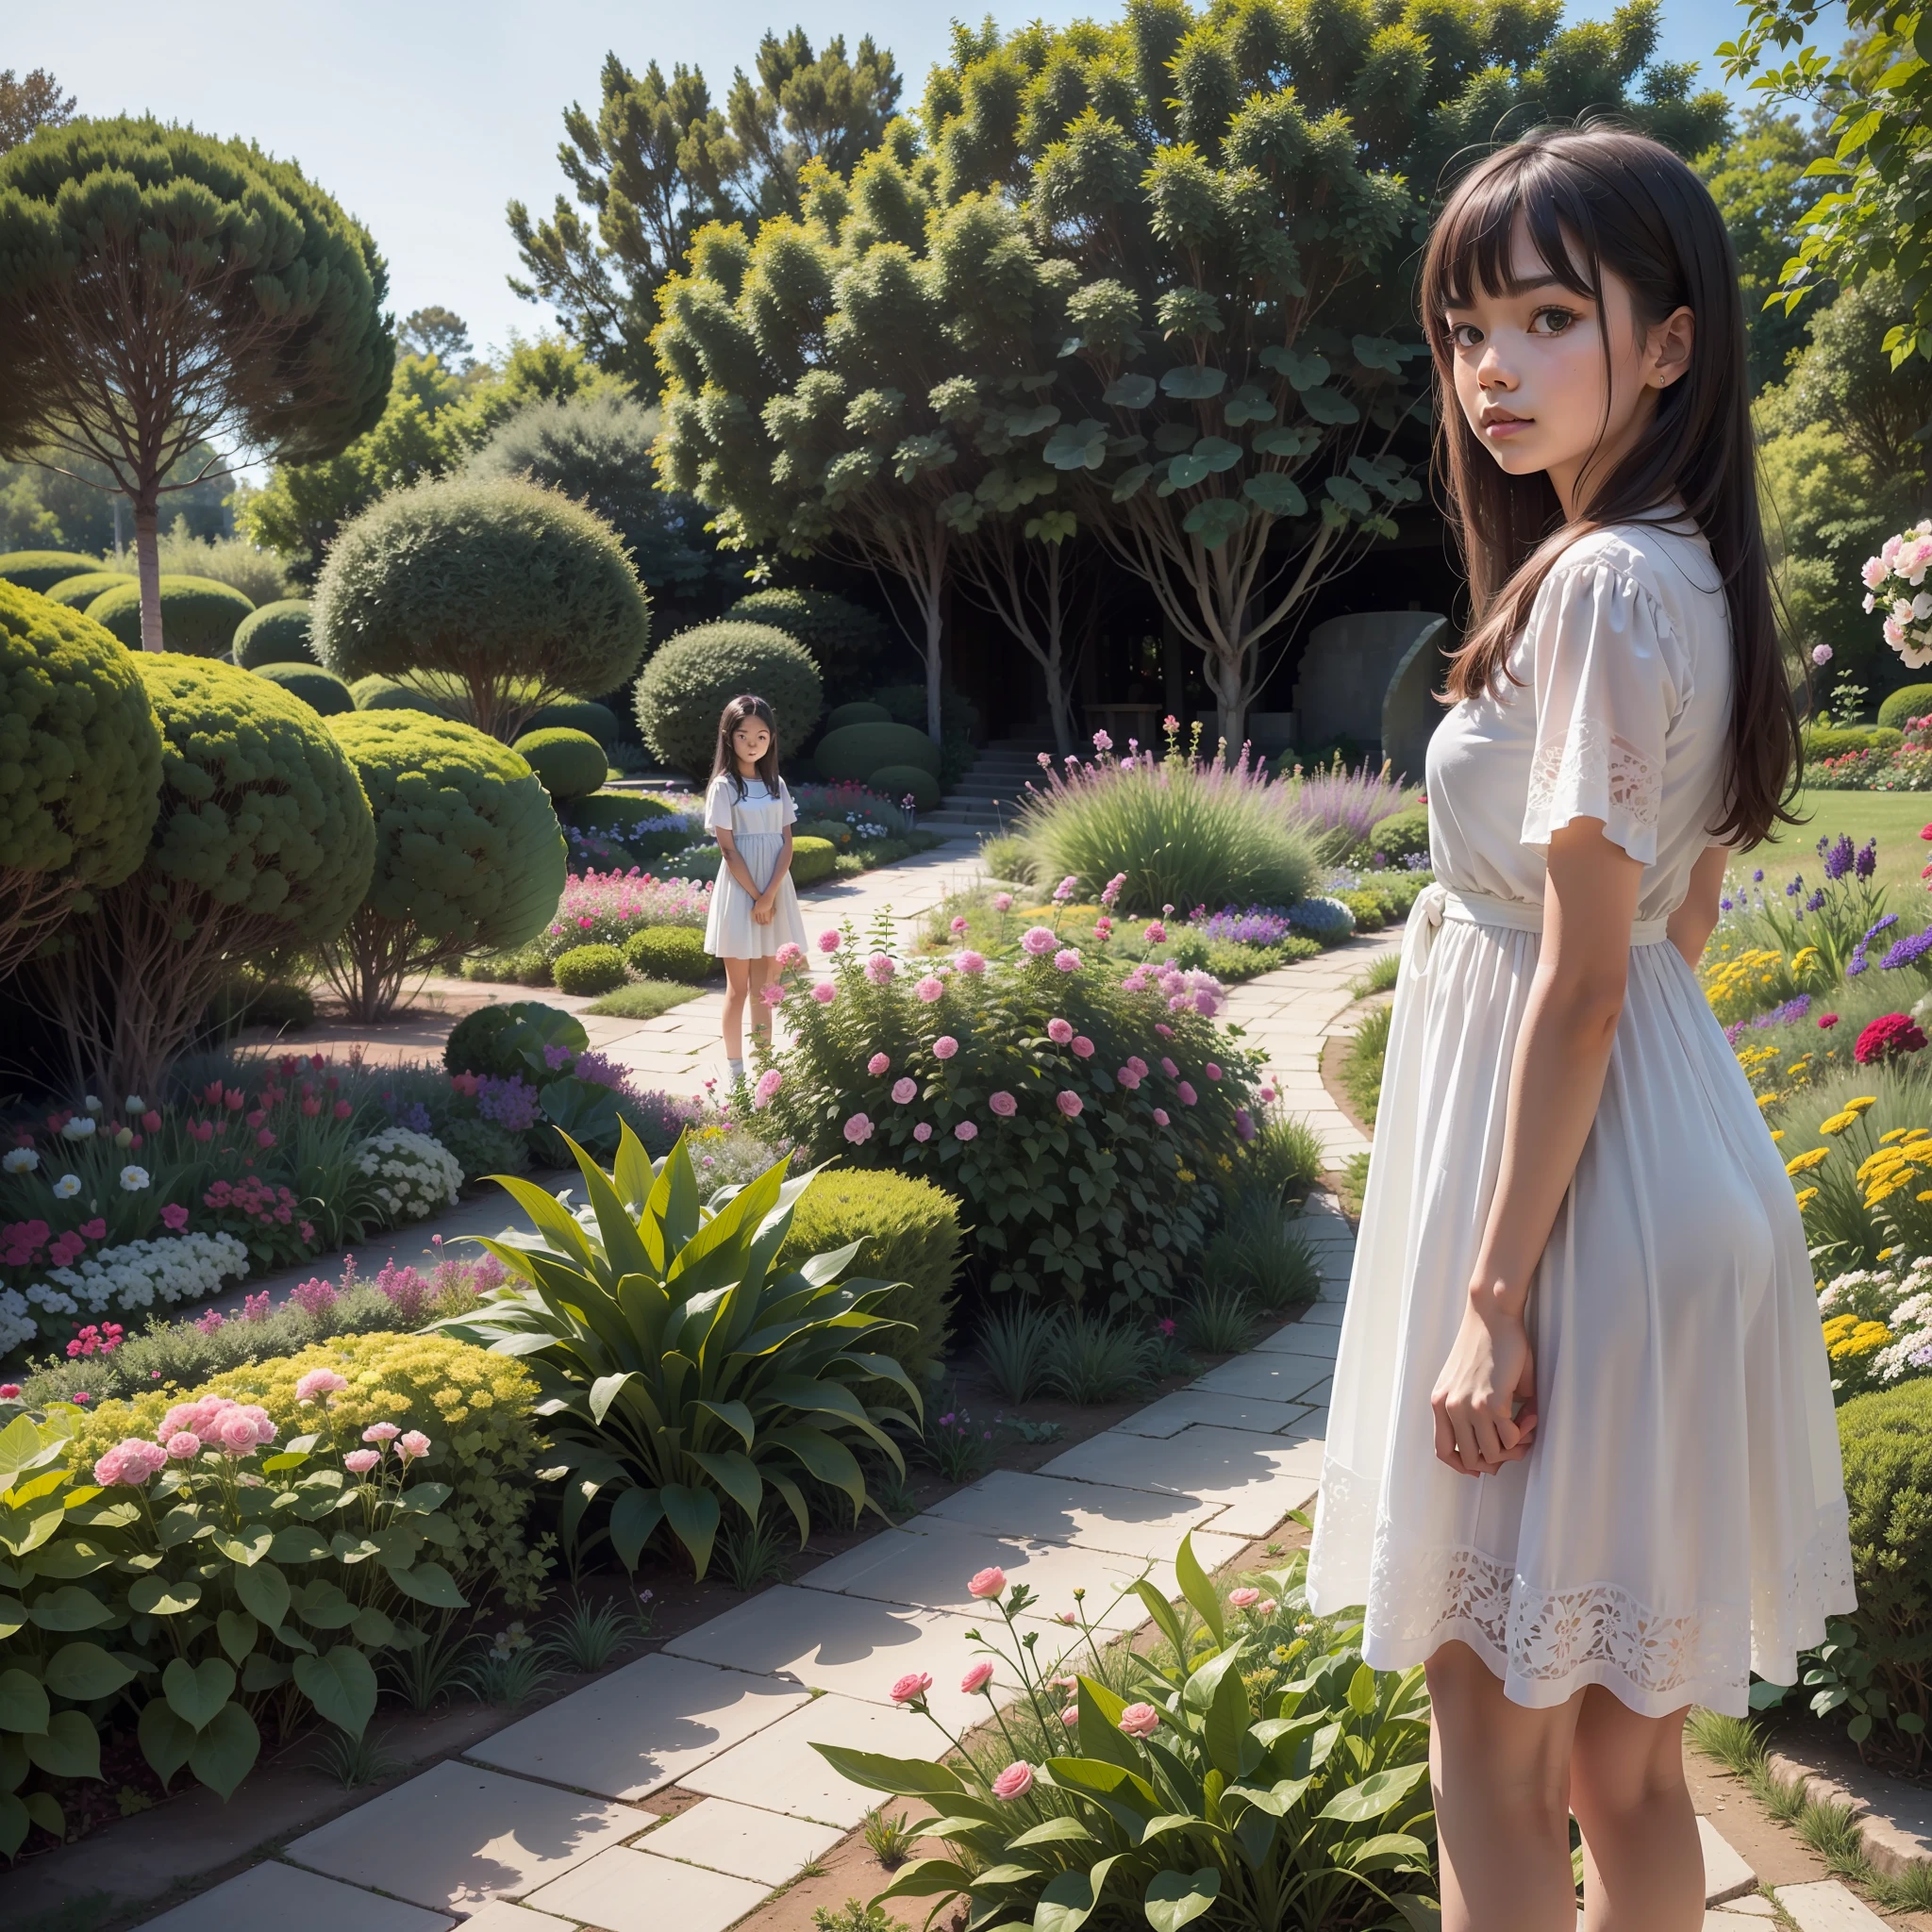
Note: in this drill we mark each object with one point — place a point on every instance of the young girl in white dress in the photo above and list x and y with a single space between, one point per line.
754 904
1582 1460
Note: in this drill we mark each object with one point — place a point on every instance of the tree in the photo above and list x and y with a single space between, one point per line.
1759 182
660 160
159 288
440 332
29 104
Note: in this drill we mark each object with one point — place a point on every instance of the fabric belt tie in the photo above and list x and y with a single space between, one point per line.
1438 902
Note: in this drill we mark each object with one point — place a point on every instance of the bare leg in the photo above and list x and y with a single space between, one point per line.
737 981
761 1013
1642 1866
1501 1775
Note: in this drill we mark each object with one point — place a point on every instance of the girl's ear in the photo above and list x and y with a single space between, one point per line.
1667 355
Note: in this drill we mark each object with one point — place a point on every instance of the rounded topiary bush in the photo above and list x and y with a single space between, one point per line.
321 690
693 676
577 714
40 570
80 765
263 847
469 853
376 694
811 860
860 711
77 592
587 971
618 813
199 616
276 633
509 594
855 752
1835 740
902 781
571 764
1321 918
1908 702
1401 834
670 952
845 640
490 1042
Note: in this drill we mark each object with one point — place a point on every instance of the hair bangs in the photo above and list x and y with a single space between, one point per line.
1472 253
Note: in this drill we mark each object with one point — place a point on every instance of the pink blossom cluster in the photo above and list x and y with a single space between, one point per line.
611 905
103 1340
1895 583
212 1422
409 1446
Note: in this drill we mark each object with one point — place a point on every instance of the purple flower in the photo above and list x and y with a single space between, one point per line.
1259 925
1816 902
512 1104
1866 861
1908 951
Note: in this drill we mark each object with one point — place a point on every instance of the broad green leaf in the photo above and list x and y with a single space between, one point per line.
737 1474
82 1671
1422 1914
1227 1723
1165 1621
341 1687
44 1809
901 1777
297 1543
1097 1731
1329 407
1218 453
166 1739
225 1751
161 1596
1375 1796
69 1607
928 1877
693 1518
262 1672
16 1820
1278 495
26 1444
1107 1782
322 1605
1361 1691
427 1583
13 1763
237 1631
734 1415
374 1628
1174 1899
12 1617
1068 1899
605 1390
1129 481
1378 352
551 1218
195 1692
1054 1832
247 1549
1215 521
634 1518
1194 383
1130 392
1184 472
1200 1593
72 1557
264 1590
1386 1852
69 1747
22 1701
1348 493
624 1249
631 1173
1303 371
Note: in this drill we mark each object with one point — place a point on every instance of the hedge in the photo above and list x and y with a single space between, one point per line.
1908 700
40 570
76 594
811 860
1401 834
693 676
569 763
275 633
577 714
489 1041
855 752
845 640
586 971
321 690
670 952
1835 740
199 616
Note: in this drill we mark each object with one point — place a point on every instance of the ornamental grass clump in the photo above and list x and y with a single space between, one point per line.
1341 808
1185 830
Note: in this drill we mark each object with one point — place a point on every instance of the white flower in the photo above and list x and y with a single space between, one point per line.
135 1103
94 1103
176 1268
21 1160
415 1174
67 1187
134 1178
82 1127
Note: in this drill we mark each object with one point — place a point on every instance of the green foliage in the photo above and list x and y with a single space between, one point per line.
693 676
259 574
77 592
500 593
378 694
1288 1779
589 969
812 861
482 1148
320 689
199 617
671 952
1361 1071
569 763
469 853
958 723
579 714
275 633
1259 1259
509 1039
710 1375
40 570
1908 702
860 711
1834 740
80 766
1008 857
1401 834
643 999
855 752
908 1234
907 781
845 640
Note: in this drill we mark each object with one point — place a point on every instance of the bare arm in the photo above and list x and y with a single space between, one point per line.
1556 1081
764 905
734 864
1693 922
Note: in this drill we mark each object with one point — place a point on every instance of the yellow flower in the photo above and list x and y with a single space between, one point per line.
1885 1253
1803 958
1858 1105
1765 1100
1892 1135
1778 1133
1797 1067
1847 1336
1805 1197
1804 1163
1838 1122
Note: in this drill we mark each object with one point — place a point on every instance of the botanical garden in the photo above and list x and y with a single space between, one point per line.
417 1352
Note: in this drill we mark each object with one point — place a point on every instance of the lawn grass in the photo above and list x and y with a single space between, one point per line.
645 999
1896 819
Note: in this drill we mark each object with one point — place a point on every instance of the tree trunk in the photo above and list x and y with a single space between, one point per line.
933 627
147 556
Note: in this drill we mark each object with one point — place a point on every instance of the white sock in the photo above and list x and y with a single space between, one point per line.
735 1067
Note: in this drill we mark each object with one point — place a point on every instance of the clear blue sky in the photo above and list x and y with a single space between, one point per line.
425 118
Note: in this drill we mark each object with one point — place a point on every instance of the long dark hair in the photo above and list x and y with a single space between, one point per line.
725 759
1595 199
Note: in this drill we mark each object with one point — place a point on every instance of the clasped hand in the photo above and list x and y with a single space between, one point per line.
1485 1398
763 907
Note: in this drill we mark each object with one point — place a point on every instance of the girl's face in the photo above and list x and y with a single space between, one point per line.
751 740
1535 384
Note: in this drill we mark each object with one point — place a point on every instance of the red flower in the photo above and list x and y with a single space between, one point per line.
1887 1037
1828 1018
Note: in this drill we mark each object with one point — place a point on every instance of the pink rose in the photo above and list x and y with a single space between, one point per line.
1083 1047
787 955
771 993
828 941
1139 1720
175 1217
879 1064
879 968
1186 1094
1129 1079
904 1089
922 1132
1212 1071
970 961
1003 902
412 1445
10 1392
1161 1116
966 1131
1156 934
987 1584
959 925
381 1432
1067 960
234 1432
1266 1607
360 1461
1013 1782
824 993
1003 1104
183 1446
1243 1599
131 1462
929 989
858 1129
1068 1101
912 1686
944 1048
1037 941
976 1680
1070 1716
1167 1067
767 1089
1058 1031
319 1382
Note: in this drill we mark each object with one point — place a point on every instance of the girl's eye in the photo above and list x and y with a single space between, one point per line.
1465 335
1551 321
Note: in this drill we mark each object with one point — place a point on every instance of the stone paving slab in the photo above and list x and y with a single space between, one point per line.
1827 1906
623 1890
723 1837
1725 1874
1274 1377
290 1900
642 1728
1091 1516
1186 1406
459 1835
502 1915
1258 1479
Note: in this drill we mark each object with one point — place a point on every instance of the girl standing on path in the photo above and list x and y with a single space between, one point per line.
1582 1460
754 904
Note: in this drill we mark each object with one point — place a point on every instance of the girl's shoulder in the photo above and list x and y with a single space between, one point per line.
1665 556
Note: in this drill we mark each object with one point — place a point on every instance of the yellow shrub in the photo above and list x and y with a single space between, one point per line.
475 1407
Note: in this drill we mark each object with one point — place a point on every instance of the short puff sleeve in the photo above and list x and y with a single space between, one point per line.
790 816
1606 690
717 803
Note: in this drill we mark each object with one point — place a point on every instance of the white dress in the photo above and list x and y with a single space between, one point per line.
757 824
1681 1520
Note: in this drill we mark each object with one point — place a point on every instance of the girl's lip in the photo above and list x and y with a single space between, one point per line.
1507 426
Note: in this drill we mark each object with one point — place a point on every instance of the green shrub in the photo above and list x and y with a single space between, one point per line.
1009 857
321 690
693 676
265 846
1834 740
860 711
671 952
482 1148
834 833
911 1236
586 971
498 594
959 725
571 764
199 617
1370 913
1401 834
80 766
277 633
907 781
1908 700
855 752
376 694
469 853
1361 1067
577 714
812 860
76 594
616 812
845 640
505 1040
40 570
